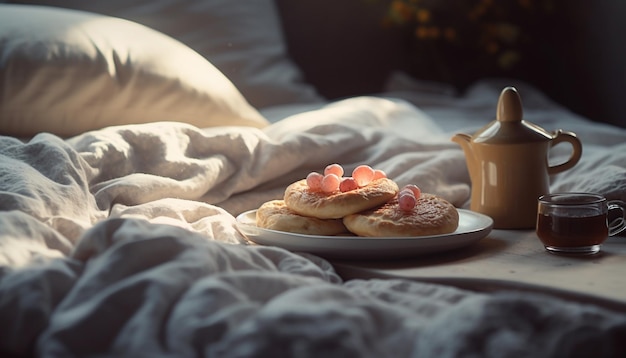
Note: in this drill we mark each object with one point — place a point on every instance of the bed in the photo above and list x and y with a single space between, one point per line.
125 162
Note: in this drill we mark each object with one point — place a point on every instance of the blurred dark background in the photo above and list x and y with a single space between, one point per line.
578 57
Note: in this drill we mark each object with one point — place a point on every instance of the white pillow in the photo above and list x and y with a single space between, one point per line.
67 72
243 39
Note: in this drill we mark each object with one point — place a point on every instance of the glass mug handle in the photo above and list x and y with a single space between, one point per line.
618 224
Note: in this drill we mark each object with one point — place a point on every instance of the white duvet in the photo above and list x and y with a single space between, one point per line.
121 241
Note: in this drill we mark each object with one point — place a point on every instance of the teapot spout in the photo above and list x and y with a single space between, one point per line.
464 141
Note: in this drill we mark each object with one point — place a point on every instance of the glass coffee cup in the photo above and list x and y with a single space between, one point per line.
578 223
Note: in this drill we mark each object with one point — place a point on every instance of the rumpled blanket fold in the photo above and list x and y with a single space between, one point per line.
122 242
133 288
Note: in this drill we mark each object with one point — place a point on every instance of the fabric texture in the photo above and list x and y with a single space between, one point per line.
244 40
123 242
68 72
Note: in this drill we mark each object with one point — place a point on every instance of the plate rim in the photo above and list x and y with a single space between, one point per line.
412 245
376 238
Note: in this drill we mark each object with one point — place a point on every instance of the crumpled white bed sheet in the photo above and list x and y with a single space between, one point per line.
121 241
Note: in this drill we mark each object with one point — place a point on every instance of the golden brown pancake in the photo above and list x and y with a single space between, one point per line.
275 215
336 205
431 215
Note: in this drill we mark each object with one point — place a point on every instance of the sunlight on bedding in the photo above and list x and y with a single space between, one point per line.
118 229
18 252
212 221
123 58
67 72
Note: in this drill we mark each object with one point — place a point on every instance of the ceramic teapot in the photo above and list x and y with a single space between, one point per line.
508 164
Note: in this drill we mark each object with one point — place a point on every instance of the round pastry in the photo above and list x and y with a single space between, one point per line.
275 215
336 205
431 215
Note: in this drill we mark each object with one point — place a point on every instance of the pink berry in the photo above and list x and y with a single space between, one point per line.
334 169
348 184
330 183
379 174
314 181
406 201
417 192
363 174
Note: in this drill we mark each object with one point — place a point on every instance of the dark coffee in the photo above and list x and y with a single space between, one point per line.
571 231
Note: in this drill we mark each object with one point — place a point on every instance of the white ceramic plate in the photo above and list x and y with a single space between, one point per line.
472 227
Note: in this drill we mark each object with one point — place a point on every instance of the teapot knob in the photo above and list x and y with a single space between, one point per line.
509 106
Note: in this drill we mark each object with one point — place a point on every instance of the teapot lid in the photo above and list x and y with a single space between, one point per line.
509 126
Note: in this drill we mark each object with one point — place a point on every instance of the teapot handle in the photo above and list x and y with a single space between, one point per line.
577 150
